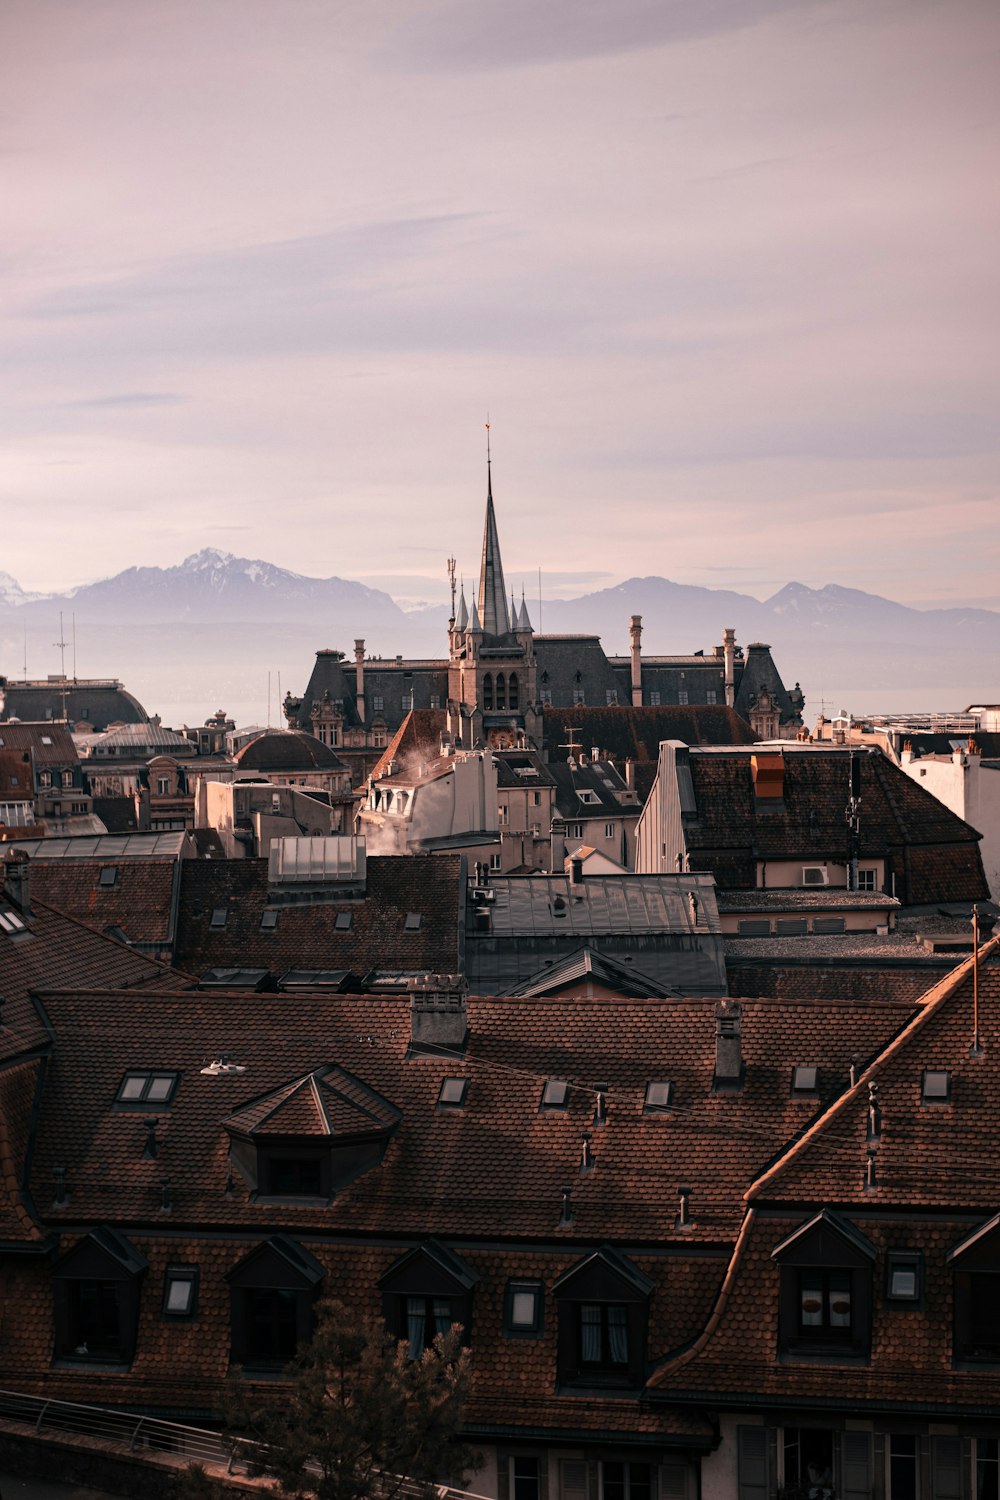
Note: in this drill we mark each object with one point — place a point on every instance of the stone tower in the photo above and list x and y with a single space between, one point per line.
492 697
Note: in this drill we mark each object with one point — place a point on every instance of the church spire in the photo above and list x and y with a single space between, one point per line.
492 592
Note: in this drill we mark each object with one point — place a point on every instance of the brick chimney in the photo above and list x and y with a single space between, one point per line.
728 1045
439 1014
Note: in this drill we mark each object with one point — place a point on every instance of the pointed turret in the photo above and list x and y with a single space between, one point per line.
522 623
474 626
462 618
492 593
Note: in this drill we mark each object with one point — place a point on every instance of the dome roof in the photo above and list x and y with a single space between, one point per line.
288 750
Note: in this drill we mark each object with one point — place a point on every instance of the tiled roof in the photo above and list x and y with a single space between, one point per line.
635 733
829 979
932 1186
56 952
49 744
447 1172
308 935
933 855
416 745
140 902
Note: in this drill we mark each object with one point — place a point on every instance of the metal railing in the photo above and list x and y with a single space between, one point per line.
174 1441
122 1429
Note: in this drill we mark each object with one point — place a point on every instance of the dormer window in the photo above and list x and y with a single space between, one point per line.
272 1292
425 1292
603 1305
826 1290
976 1264
311 1137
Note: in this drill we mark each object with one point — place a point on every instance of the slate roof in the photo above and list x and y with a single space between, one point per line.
101 703
933 855
16 777
287 750
599 780
307 935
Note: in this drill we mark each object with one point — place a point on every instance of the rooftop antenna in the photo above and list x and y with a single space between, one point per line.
573 745
25 653
451 564
268 700
539 601
73 618
61 644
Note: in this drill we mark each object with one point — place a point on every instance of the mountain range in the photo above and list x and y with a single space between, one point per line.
212 628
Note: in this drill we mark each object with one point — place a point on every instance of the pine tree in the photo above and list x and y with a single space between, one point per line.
359 1418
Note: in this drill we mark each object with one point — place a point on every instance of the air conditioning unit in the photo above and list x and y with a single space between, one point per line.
815 875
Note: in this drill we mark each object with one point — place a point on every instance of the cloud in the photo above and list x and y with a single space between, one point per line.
127 399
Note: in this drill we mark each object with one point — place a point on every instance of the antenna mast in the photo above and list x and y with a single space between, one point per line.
451 564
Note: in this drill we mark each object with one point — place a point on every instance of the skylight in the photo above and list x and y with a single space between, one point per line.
658 1096
269 919
935 1086
804 1080
343 921
555 1093
108 875
219 915
11 922
413 920
180 1291
453 1092
147 1088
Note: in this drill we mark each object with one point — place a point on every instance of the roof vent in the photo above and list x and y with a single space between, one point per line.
728 1045
222 1066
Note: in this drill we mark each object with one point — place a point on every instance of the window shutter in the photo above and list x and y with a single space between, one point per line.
856 1455
946 1468
572 1479
673 1481
753 1479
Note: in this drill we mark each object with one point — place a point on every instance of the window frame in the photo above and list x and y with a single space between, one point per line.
174 1275
142 1101
536 1328
899 1260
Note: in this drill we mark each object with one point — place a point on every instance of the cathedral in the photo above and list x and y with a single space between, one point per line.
499 676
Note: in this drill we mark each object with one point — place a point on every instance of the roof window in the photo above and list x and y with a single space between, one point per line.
180 1291
413 921
46 739
935 1086
147 1088
903 1275
555 1094
108 876
658 1097
804 1079
343 921
269 919
453 1092
11 922
218 918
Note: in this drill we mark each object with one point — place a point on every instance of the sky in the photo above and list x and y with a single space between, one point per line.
723 274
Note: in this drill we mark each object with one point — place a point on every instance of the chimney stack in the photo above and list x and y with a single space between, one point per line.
15 884
635 637
359 685
439 1015
576 871
729 662
728 1045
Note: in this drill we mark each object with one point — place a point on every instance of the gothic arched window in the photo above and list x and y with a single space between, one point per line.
501 691
488 690
512 691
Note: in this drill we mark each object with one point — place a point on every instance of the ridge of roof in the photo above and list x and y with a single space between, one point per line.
929 1005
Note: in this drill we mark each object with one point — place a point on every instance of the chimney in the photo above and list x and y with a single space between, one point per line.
630 773
576 871
635 636
729 659
359 686
728 1047
439 1015
15 884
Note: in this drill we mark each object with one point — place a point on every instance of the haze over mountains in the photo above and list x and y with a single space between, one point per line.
208 632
